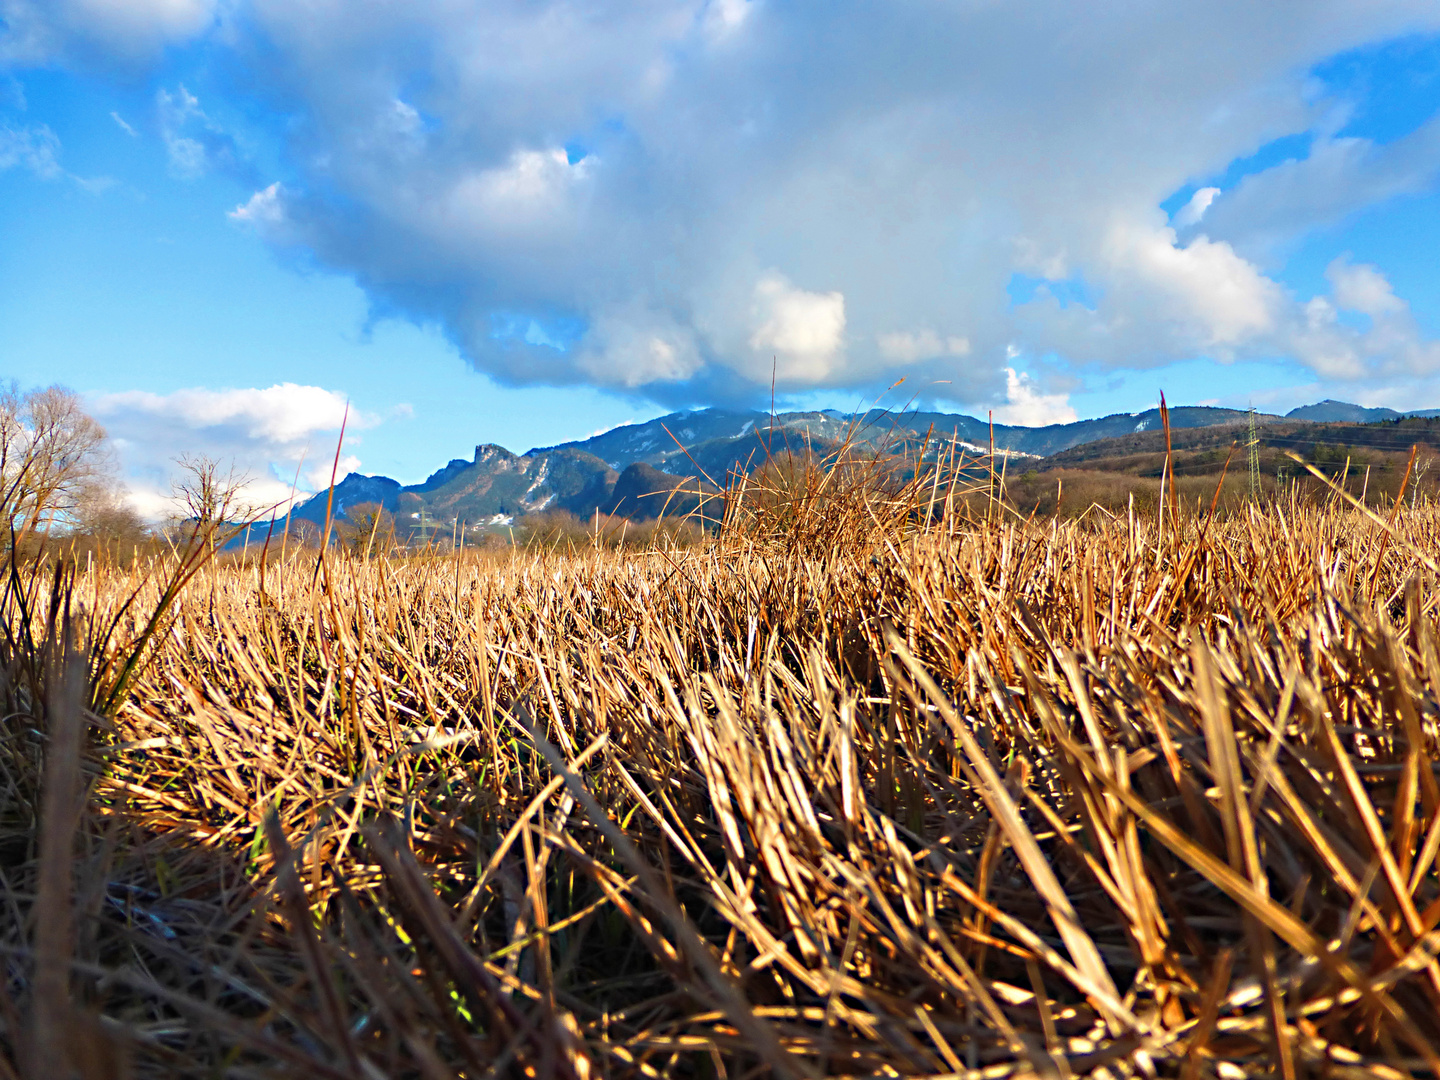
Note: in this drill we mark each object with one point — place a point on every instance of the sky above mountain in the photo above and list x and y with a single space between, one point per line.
222 220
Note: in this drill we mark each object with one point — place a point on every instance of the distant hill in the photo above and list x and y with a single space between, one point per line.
1340 412
1141 453
349 493
632 470
1044 441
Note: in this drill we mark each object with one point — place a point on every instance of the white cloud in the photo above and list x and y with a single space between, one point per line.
123 124
1162 301
1362 288
630 346
37 149
1194 210
264 210
532 185
714 144
723 18
604 430
1029 257
34 148
615 178
1027 406
906 346
1204 299
798 334
1391 348
1222 300
1267 211
97 32
193 142
266 433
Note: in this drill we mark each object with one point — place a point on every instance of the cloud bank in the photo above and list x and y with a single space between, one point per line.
683 199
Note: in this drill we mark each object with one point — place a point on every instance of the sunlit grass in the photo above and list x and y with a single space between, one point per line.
851 790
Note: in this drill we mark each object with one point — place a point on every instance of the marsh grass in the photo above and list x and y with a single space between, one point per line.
872 784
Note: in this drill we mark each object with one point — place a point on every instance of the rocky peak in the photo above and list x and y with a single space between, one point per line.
486 453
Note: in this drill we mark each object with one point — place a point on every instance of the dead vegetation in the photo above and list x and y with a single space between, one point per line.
854 790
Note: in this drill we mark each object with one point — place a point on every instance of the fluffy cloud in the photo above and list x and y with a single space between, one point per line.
1026 404
682 197
1363 289
1194 210
1161 301
801 333
906 347
1391 347
96 31
1203 299
263 210
678 198
268 434
629 348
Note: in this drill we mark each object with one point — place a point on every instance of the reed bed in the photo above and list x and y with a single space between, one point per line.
977 798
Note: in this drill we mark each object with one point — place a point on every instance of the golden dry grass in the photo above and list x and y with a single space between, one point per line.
990 799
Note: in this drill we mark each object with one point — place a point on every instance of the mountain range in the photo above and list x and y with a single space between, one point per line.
670 463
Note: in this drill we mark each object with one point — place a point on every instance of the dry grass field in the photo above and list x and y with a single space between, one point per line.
835 794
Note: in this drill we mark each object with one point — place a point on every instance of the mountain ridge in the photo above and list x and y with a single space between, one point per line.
691 452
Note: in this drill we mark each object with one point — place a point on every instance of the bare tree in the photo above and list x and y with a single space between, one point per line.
52 455
304 533
1421 468
210 499
104 521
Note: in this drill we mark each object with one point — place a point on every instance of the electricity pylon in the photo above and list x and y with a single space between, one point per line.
1253 443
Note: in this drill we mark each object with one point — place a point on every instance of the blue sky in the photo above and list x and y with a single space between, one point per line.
522 223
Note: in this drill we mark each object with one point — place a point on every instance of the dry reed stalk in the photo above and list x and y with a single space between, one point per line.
51 1020
864 786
